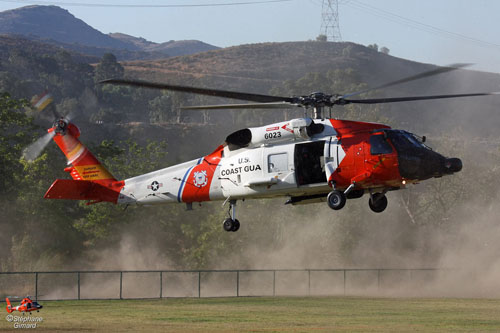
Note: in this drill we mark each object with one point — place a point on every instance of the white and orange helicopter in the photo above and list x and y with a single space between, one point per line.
309 159
26 305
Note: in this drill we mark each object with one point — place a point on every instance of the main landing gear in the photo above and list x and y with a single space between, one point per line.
337 199
231 223
377 202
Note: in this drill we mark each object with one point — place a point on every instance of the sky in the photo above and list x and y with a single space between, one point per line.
439 32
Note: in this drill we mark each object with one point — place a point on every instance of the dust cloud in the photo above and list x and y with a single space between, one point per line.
462 242
465 251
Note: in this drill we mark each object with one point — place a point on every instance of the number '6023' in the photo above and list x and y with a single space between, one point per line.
273 135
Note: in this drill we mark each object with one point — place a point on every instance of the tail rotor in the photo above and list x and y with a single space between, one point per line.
41 102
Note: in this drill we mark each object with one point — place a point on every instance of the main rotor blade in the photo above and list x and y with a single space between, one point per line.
202 91
407 99
279 105
31 152
436 71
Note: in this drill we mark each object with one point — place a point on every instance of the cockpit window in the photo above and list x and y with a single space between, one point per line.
413 140
378 145
405 140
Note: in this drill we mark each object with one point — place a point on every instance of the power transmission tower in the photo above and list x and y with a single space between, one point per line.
330 20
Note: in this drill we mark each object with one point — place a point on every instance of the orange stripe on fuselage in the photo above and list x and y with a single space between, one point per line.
197 187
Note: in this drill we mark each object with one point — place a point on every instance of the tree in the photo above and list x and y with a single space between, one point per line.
108 68
384 50
15 133
161 109
321 38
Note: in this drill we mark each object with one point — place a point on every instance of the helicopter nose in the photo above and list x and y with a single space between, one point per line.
452 165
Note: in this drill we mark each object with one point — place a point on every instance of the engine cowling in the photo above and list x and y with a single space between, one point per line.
296 129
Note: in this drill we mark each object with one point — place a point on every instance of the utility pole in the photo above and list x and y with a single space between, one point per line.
330 20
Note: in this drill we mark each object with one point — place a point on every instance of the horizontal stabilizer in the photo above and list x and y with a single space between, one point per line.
82 190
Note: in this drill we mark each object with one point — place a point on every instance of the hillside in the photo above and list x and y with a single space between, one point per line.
270 67
171 48
273 63
10 44
52 24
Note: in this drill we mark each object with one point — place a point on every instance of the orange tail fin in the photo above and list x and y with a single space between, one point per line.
84 165
91 180
9 307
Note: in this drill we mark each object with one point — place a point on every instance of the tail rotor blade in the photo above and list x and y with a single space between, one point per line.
34 150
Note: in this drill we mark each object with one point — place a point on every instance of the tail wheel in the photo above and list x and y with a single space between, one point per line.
236 225
336 200
378 202
228 224
231 225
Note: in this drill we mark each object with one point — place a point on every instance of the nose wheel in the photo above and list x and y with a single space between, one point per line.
336 199
231 223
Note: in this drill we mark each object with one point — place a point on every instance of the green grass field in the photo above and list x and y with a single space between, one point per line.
298 314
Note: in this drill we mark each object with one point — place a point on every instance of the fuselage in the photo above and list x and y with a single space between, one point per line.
301 158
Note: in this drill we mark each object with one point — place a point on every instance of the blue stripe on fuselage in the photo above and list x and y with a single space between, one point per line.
183 183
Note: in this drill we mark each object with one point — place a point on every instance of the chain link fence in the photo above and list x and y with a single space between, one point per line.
77 285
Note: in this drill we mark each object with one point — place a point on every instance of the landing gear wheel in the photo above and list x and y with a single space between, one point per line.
236 225
231 225
378 202
336 200
228 224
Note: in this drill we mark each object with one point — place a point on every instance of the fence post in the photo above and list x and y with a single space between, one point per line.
274 283
344 282
199 284
78 285
237 283
309 283
36 286
378 280
121 284
161 284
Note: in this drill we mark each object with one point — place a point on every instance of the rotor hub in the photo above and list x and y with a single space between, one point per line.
60 126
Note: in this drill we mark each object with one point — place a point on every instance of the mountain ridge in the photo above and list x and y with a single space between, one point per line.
55 25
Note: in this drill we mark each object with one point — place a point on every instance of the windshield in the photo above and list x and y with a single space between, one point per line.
405 140
414 140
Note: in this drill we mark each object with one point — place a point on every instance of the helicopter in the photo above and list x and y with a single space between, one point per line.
308 160
26 305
